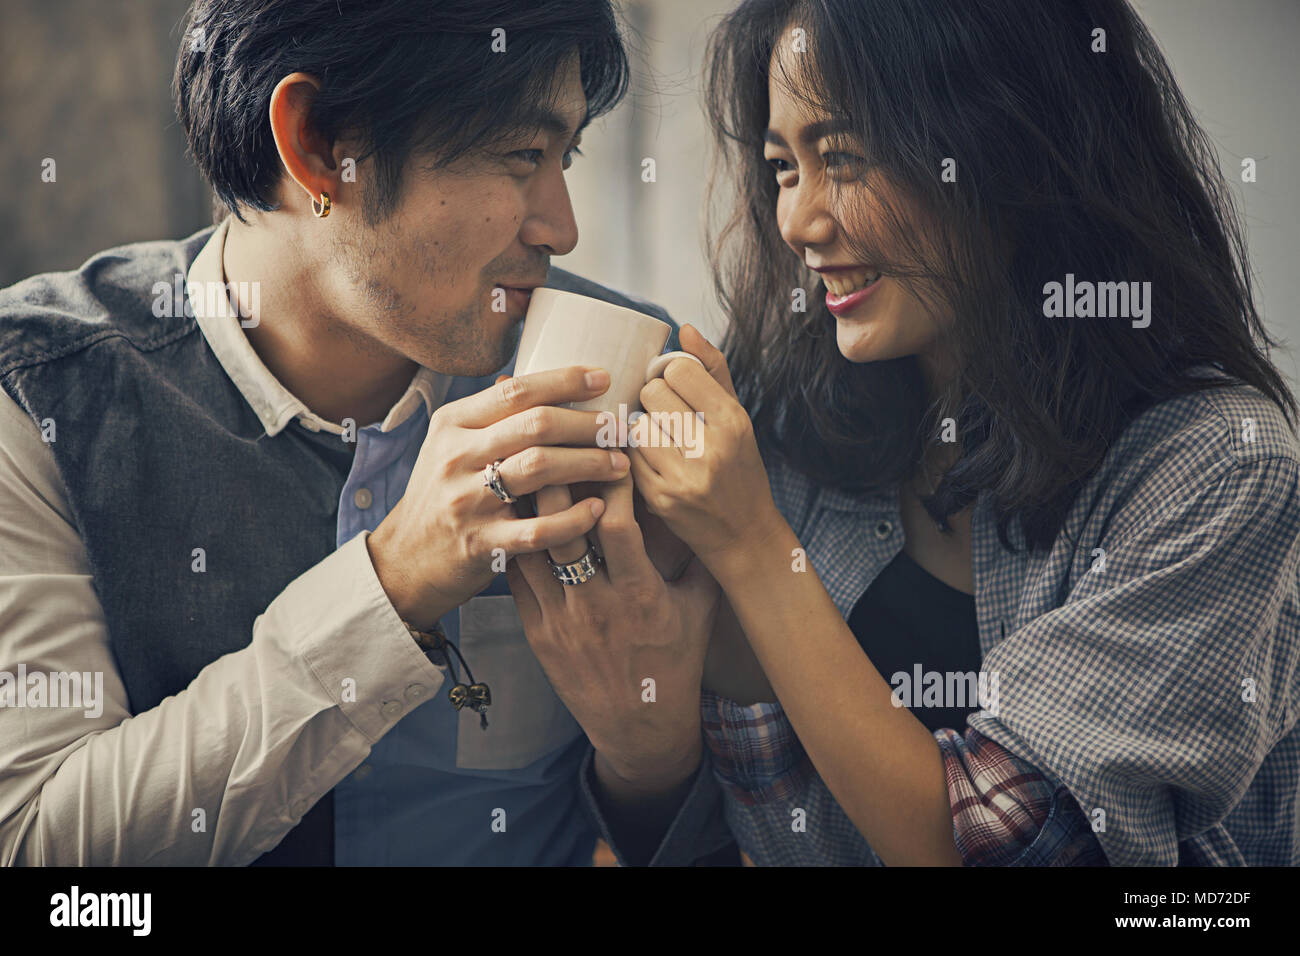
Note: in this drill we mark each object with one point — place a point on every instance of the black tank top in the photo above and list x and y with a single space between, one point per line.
909 617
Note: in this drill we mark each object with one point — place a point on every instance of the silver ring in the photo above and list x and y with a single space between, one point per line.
492 481
580 571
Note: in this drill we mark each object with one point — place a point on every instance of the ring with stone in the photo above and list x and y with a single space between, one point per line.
492 481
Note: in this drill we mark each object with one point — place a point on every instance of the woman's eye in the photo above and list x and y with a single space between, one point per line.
780 165
839 160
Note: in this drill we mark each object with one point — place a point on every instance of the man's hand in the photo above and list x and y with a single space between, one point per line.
449 535
624 650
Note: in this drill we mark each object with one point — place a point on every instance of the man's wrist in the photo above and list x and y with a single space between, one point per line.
651 775
412 607
638 816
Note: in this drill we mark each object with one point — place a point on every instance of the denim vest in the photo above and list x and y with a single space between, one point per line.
161 455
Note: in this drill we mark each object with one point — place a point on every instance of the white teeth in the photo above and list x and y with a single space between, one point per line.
844 283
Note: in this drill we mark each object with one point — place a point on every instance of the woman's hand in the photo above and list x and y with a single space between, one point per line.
701 473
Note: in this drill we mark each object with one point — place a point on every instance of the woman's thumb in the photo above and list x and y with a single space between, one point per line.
715 362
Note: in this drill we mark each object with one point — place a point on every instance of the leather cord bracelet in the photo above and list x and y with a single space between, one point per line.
431 642
434 642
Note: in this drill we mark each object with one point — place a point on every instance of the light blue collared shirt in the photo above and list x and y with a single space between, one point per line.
439 789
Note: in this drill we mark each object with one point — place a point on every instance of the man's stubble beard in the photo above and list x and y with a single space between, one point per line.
453 344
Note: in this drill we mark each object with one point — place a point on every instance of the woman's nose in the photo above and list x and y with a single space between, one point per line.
804 218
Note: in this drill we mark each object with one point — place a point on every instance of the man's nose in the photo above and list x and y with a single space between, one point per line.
550 222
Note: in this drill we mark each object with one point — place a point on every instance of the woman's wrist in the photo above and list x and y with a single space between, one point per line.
768 533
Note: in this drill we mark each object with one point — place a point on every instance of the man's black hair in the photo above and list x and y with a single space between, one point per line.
405 77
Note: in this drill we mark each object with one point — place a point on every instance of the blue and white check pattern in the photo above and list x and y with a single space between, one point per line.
1149 662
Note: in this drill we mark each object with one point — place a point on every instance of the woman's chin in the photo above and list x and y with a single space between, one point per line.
872 341
856 341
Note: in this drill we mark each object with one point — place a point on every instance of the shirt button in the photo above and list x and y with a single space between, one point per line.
363 498
363 771
416 692
883 529
391 708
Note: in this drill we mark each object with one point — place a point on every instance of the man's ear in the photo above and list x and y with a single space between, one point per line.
305 153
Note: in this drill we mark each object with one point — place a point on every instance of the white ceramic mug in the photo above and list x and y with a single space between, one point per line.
564 328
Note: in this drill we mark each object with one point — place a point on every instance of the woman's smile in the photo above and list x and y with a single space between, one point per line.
848 287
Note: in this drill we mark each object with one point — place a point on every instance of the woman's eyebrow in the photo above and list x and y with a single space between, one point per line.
810 133
815 131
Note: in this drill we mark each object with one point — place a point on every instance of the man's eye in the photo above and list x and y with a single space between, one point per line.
535 156
780 165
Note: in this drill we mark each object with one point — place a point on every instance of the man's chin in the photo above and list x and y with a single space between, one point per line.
483 359
508 344
472 346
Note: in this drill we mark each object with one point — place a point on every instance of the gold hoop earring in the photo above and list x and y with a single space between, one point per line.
323 210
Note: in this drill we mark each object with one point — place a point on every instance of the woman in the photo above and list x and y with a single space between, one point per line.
1000 382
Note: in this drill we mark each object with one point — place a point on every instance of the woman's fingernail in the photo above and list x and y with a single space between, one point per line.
597 508
597 378
618 460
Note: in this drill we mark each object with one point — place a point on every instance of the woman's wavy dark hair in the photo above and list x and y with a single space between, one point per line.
1067 161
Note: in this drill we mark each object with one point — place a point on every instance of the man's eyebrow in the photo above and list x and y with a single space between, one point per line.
552 122
810 133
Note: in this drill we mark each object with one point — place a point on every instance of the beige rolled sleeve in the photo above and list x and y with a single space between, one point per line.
218 773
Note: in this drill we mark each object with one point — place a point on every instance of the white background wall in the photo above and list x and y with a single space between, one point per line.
1238 66
1235 59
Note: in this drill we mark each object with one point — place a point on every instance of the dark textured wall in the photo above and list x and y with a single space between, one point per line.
87 83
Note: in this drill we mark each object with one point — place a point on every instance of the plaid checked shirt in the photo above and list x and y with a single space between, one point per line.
1149 664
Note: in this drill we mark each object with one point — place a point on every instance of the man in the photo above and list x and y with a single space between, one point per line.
242 478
